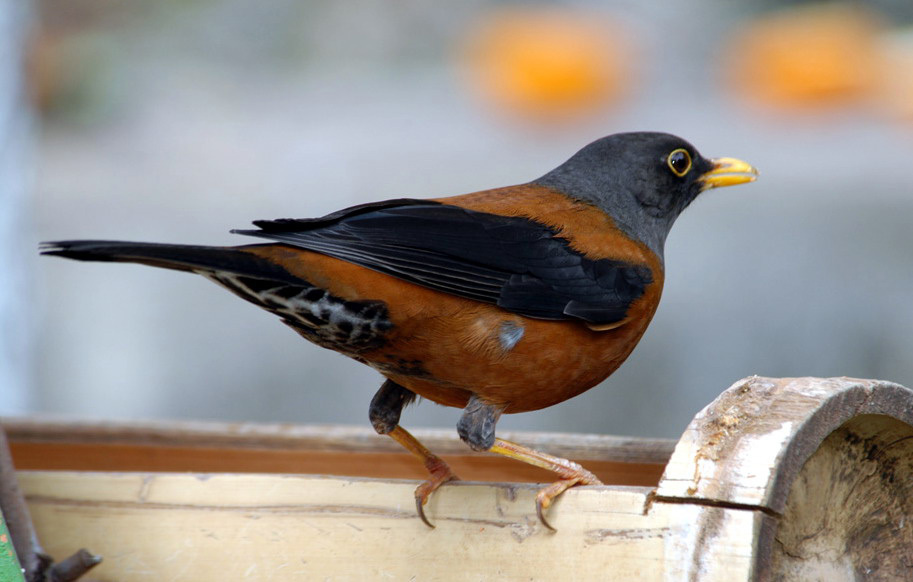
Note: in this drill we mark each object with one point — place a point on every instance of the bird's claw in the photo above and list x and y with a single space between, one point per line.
420 509
548 494
423 492
540 508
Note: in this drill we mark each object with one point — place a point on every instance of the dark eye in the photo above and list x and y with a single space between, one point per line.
679 162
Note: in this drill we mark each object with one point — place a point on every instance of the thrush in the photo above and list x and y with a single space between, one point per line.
496 302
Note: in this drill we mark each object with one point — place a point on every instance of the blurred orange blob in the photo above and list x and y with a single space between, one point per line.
547 64
806 57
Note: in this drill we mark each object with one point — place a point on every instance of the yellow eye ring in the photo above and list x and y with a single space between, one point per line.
679 161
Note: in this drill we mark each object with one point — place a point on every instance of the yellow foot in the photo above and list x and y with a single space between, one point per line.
570 472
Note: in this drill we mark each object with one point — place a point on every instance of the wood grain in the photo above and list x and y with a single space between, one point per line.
849 513
154 527
321 438
474 467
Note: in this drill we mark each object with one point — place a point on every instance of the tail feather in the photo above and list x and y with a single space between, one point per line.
349 326
192 258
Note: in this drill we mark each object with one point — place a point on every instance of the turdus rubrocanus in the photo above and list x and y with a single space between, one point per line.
499 301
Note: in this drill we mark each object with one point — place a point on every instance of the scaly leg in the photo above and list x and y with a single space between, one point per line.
570 472
440 471
386 408
477 429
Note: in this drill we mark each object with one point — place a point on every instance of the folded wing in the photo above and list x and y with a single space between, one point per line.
516 263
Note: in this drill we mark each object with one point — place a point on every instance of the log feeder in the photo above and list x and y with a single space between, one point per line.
776 479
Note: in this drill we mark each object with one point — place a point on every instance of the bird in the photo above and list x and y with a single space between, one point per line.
500 301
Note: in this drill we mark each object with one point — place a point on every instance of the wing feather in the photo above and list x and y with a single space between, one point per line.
514 262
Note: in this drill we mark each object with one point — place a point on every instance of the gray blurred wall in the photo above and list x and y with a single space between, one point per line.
16 307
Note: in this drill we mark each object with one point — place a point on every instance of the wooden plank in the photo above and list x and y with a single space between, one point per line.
272 527
205 528
389 465
325 450
321 437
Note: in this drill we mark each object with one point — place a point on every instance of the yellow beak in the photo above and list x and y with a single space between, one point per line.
728 172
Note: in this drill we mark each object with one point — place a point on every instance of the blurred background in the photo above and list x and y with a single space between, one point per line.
176 121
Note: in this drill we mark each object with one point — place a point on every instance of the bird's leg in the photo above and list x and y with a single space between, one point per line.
570 473
477 425
386 408
440 470
477 429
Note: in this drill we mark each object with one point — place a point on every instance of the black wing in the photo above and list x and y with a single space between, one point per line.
513 262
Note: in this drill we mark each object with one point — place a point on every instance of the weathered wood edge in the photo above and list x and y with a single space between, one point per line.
757 424
860 397
849 509
768 422
320 438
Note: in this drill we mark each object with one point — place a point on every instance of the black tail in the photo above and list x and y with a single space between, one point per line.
191 258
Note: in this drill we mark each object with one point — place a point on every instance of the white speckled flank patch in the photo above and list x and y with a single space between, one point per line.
347 326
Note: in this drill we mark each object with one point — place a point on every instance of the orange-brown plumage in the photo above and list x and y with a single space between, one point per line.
456 339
